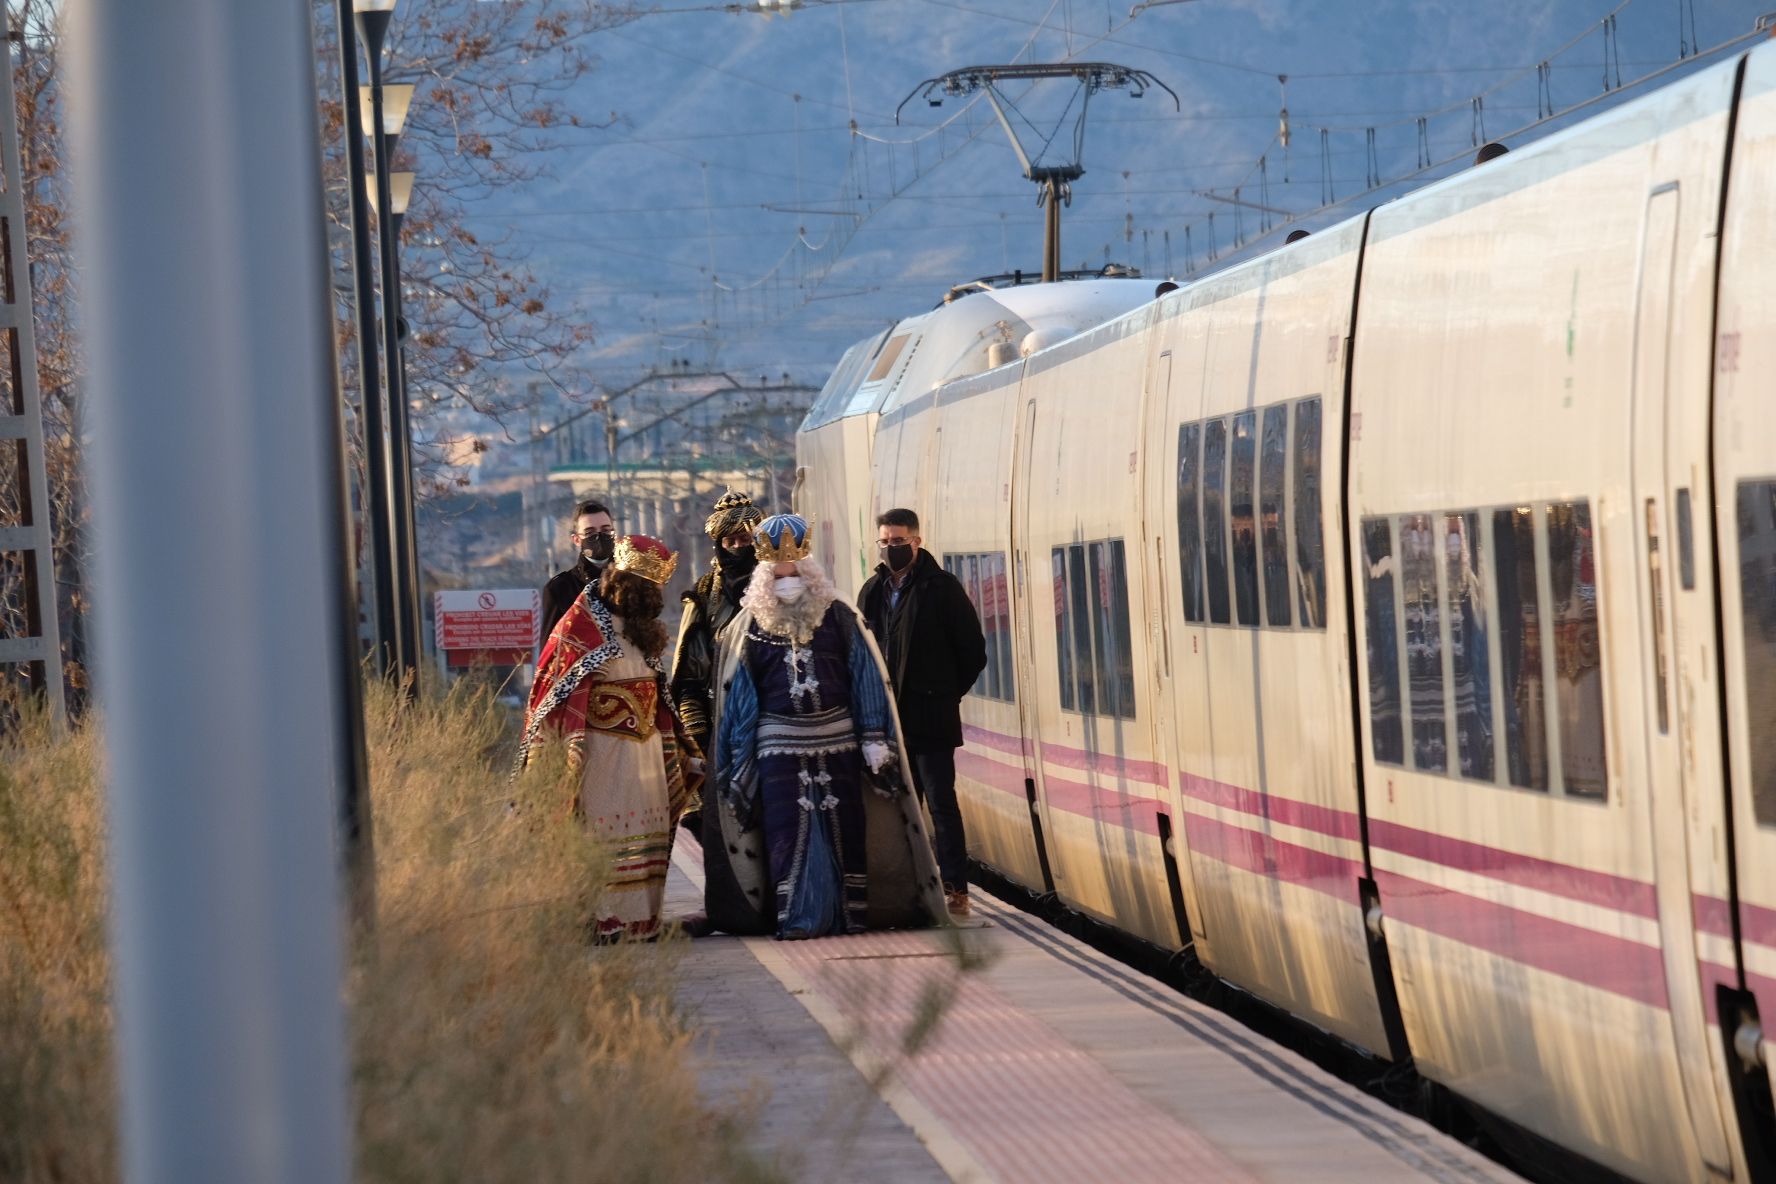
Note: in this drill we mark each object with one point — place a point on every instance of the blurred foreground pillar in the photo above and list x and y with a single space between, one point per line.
219 594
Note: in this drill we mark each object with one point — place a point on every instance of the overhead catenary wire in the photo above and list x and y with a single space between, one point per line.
857 203
1464 155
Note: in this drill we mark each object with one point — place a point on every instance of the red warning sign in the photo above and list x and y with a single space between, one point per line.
498 627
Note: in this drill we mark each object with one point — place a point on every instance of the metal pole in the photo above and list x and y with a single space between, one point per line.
400 470
376 447
401 437
1051 246
610 464
21 429
208 328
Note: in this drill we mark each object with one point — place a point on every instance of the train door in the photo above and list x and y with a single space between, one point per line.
1158 499
1677 681
1031 596
1744 494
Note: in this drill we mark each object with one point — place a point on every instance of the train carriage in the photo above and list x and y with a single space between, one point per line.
1394 616
1529 407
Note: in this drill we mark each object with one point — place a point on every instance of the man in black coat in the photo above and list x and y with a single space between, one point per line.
710 605
931 637
595 538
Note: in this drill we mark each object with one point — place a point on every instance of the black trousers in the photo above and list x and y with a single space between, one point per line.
935 773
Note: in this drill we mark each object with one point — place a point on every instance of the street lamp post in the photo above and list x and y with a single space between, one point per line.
376 465
391 208
372 18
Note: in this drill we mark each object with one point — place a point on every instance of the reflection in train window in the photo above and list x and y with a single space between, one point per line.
987 682
1190 520
1757 602
1424 641
1520 647
1063 629
1272 527
999 605
1578 652
1469 662
1482 652
1383 643
1097 665
1310 559
1239 507
1215 518
1116 672
1079 604
982 576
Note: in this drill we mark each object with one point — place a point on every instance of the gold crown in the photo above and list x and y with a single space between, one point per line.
782 538
647 557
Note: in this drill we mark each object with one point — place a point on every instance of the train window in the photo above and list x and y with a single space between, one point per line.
1424 642
1578 653
1383 642
1079 608
984 684
1125 650
1686 543
885 360
1520 647
1215 518
1110 620
1470 665
1063 628
982 576
999 600
1310 558
1243 464
1757 604
1190 520
1272 526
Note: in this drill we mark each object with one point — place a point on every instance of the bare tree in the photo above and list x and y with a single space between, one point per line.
495 84
37 85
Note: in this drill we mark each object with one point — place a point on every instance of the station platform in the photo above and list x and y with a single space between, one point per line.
1042 1060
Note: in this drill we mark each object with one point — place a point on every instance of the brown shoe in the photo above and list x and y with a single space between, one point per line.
957 903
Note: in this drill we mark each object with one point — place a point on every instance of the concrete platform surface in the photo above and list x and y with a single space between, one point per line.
1007 1051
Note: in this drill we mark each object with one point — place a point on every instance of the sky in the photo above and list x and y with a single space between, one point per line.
731 216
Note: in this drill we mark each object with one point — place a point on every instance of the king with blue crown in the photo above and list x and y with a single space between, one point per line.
816 830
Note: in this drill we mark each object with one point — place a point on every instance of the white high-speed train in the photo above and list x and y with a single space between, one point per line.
1394 616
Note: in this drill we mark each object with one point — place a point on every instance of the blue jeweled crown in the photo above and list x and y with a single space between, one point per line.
782 538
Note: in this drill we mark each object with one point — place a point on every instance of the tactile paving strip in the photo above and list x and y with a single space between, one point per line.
1030 1105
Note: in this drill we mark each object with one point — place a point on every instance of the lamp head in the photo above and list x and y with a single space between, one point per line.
400 191
396 100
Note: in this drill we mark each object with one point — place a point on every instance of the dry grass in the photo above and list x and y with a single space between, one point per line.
55 1017
490 1043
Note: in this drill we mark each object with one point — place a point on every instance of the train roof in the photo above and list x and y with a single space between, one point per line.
1057 321
956 340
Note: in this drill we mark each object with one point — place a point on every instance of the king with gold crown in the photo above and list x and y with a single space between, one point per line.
816 830
600 691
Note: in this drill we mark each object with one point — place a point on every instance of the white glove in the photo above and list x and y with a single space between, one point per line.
696 764
877 755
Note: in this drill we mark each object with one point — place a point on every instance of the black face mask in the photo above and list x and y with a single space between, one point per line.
598 549
898 556
736 566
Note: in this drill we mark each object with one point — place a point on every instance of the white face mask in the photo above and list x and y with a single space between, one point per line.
788 588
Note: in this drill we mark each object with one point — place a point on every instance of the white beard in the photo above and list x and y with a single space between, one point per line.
798 619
